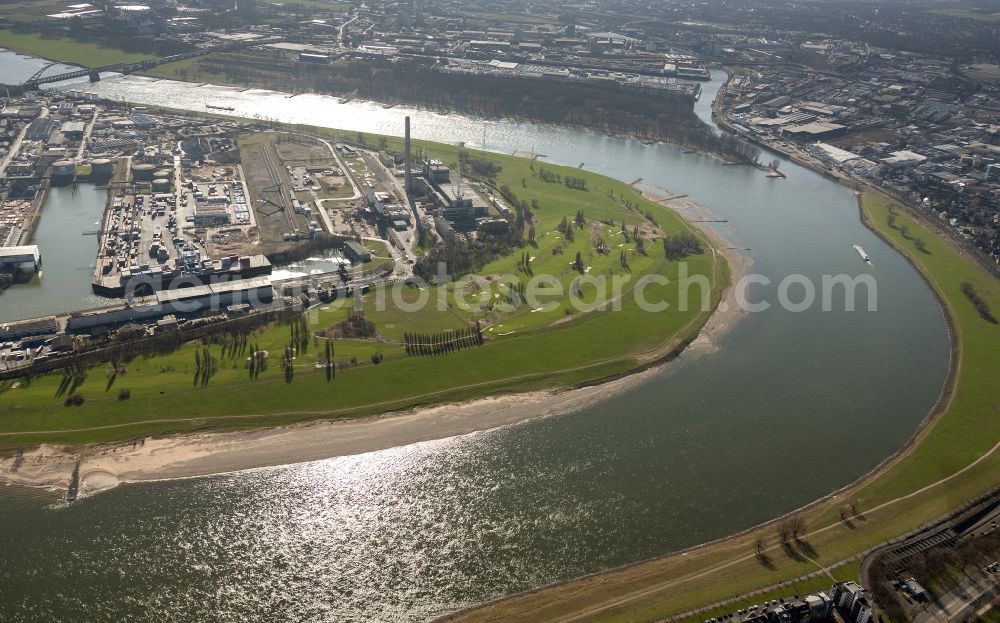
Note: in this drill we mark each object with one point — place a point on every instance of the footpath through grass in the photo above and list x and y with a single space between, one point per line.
526 348
67 50
951 462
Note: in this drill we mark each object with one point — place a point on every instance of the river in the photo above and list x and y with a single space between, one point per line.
790 407
68 256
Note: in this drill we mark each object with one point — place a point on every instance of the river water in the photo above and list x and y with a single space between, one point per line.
68 256
790 407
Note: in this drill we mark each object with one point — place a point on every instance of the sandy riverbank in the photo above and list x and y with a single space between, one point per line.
739 263
185 456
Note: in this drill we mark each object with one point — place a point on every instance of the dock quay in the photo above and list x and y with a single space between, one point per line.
145 279
43 344
166 226
179 230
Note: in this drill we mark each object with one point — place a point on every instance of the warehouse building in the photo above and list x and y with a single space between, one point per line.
357 252
215 296
816 131
28 328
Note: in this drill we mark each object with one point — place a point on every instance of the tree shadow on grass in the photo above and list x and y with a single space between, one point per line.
766 561
68 385
807 548
63 386
791 552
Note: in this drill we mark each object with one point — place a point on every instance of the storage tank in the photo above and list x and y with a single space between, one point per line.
161 184
102 167
143 172
63 168
167 173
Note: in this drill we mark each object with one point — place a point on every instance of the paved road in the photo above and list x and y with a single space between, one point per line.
958 602
347 172
86 134
15 148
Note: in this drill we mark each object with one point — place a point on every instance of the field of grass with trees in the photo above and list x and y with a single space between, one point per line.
361 357
67 50
952 460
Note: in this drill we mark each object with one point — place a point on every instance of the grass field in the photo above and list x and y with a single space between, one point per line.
844 572
260 173
952 461
30 10
985 15
524 349
66 50
318 7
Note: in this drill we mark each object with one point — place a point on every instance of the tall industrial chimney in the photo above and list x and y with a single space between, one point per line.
406 157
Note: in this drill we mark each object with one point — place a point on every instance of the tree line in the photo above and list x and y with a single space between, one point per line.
442 343
981 306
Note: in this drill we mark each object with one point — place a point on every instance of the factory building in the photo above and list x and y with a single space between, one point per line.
28 328
435 172
215 296
492 226
384 210
458 205
207 214
27 258
73 129
40 129
454 204
815 131
165 303
357 252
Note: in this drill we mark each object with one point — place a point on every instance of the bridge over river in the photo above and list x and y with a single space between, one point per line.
39 78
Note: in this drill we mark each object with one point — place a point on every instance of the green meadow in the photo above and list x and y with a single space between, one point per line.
66 50
979 14
951 461
552 344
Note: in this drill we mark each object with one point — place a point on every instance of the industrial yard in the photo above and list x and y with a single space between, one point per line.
175 222
200 273
182 211
197 211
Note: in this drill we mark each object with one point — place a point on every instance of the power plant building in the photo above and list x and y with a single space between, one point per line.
435 172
